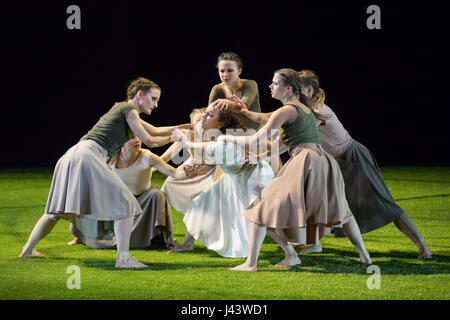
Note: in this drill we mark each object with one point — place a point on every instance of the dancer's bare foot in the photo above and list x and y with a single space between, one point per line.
181 248
130 263
315 248
28 254
74 241
125 261
365 259
243 267
289 261
424 252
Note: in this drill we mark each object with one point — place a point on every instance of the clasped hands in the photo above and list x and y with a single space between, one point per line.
233 104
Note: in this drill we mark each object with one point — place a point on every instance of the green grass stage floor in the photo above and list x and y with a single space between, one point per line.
423 192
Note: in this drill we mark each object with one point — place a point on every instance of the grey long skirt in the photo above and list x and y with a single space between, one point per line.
367 194
82 184
155 220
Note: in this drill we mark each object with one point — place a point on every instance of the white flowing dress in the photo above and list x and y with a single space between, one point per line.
214 216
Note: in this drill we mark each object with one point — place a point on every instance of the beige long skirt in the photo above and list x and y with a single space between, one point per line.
181 192
310 184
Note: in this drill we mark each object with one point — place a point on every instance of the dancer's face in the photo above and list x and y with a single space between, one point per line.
277 89
133 145
210 119
228 71
149 101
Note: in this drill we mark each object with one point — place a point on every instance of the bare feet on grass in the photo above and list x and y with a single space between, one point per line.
181 247
315 248
30 254
365 259
424 253
244 267
125 261
289 261
74 242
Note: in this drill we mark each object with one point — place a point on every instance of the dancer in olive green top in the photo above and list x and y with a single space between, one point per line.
229 65
83 185
310 184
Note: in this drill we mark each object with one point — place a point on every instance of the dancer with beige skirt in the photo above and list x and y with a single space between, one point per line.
309 185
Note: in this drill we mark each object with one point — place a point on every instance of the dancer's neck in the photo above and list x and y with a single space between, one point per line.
126 158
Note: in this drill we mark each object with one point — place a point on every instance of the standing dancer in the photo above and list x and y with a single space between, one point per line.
82 184
309 184
367 194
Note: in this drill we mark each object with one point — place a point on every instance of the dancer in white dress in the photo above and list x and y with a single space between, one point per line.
214 217
181 192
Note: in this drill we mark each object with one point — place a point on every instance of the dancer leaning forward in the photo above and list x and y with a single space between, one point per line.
309 186
83 185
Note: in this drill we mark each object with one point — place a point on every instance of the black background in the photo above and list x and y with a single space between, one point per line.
386 86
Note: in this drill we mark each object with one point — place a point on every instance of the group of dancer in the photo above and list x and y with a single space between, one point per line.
231 190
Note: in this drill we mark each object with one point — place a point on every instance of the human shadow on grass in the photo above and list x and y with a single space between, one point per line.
424 197
155 266
333 260
417 180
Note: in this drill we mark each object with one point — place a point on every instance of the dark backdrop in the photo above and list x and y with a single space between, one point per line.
386 86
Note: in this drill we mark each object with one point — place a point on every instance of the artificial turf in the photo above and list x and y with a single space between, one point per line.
423 192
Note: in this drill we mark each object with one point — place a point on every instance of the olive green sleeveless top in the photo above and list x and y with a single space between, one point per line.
302 130
112 130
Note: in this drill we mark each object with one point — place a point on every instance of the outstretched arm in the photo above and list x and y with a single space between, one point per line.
138 129
259 117
269 130
183 137
163 131
174 149
179 173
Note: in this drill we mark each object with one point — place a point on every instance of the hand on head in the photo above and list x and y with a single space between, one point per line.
234 104
223 105
241 106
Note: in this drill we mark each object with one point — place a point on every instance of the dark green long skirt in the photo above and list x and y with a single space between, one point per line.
367 194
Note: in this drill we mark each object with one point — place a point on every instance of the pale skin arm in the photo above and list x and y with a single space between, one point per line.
183 137
139 130
259 117
200 147
276 120
163 131
175 148
179 173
